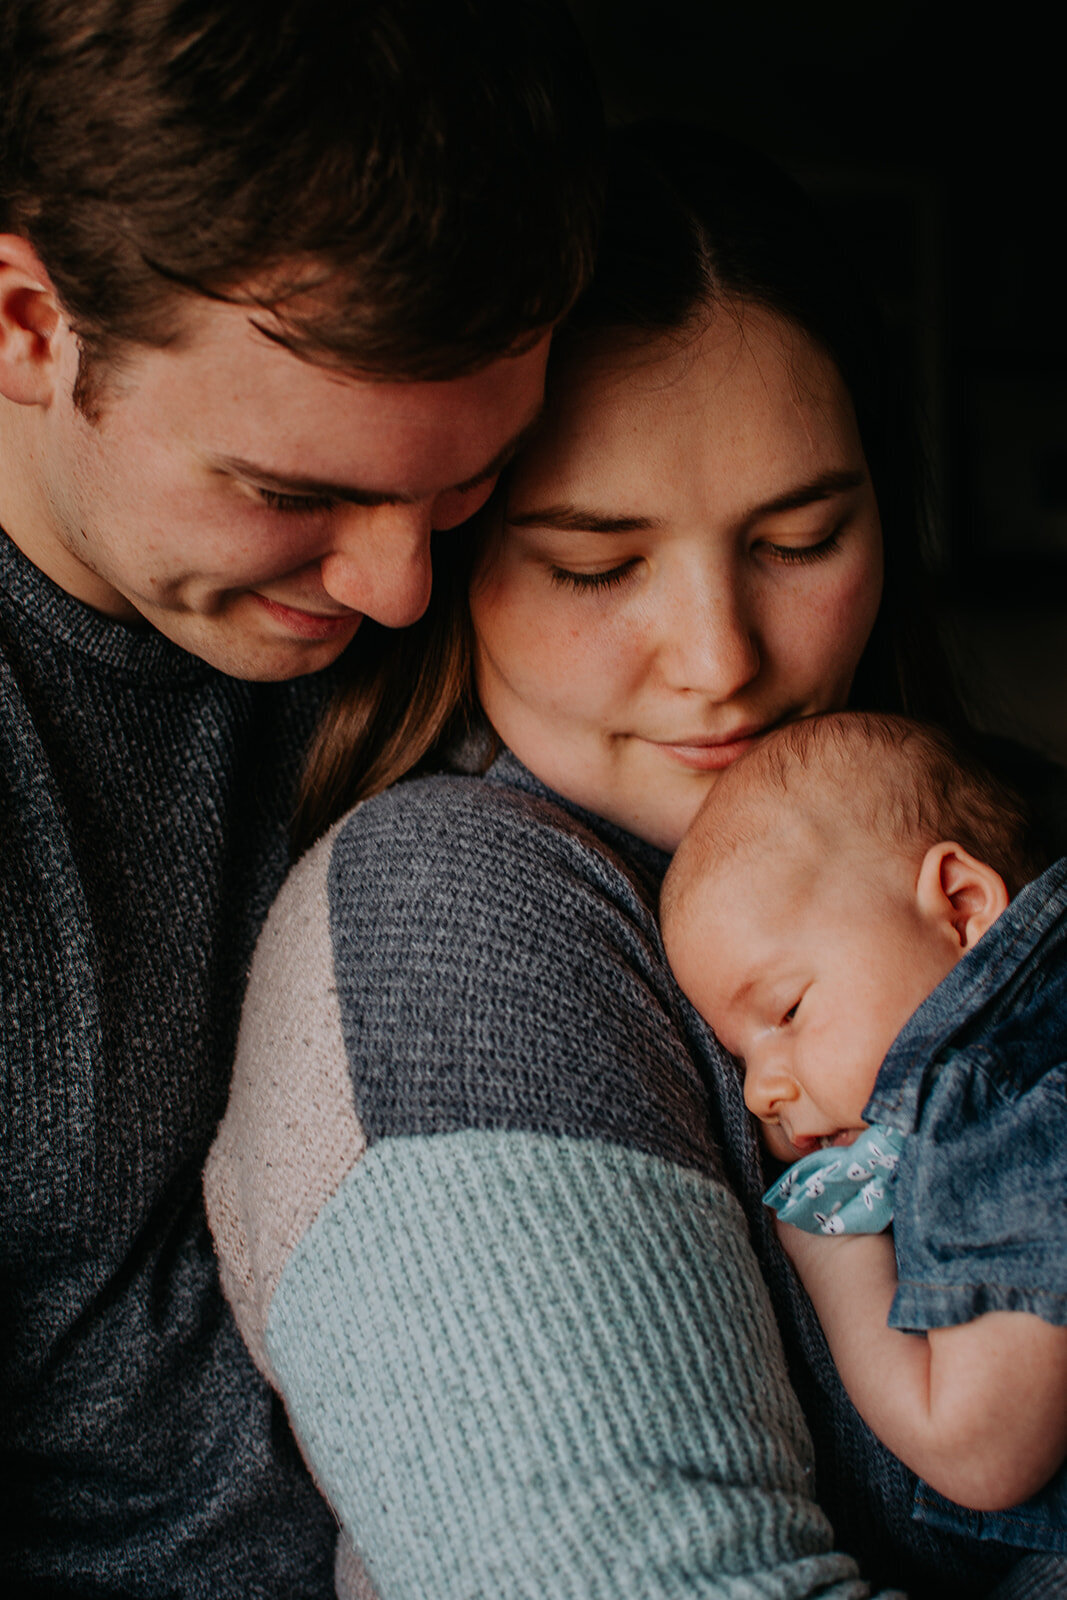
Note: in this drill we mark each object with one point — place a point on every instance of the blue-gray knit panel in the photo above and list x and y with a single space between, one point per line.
468 999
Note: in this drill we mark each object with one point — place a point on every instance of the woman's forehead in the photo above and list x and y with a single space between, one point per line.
746 402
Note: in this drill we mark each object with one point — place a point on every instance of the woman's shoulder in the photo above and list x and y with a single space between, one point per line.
491 959
455 840
442 877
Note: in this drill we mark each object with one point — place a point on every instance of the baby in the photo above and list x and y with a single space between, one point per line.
851 913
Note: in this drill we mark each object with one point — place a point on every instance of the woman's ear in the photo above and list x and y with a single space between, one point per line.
30 323
962 893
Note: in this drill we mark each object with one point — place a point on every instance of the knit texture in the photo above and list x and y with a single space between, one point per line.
457 1301
523 1338
143 811
1035 1578
262 1192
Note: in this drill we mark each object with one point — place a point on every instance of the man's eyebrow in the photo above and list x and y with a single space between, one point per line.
296 484
322 489
823 487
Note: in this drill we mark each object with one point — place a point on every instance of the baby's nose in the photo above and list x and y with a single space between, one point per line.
766 1088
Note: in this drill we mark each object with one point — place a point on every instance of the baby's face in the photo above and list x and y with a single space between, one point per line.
807 964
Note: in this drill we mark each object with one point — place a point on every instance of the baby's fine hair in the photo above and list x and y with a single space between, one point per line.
906 783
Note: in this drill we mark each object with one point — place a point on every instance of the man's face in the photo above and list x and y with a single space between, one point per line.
253 507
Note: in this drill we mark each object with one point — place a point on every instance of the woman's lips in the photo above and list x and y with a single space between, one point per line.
309 624
711 755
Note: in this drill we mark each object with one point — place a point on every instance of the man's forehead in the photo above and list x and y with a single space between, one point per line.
252 408
348 492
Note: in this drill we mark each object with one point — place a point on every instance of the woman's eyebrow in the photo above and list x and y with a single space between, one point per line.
823 487
576 519
569 518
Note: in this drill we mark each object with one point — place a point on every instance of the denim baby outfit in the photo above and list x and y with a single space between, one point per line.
977 1080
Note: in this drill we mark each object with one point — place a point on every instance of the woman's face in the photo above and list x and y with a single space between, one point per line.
690 554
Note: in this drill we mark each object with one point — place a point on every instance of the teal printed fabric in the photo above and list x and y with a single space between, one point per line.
842 1189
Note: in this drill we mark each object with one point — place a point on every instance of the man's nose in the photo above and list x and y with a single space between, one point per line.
378 562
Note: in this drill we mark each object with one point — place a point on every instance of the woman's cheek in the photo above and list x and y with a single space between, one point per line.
843 617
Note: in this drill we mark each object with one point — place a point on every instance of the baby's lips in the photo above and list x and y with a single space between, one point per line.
805 1143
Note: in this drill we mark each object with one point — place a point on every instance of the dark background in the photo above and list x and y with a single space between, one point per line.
936 141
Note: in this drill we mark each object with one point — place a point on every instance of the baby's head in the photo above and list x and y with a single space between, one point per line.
834 875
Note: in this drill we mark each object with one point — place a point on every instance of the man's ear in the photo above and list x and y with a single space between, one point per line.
30 325
960 892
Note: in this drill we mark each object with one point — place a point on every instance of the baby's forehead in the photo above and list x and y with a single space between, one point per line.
775 843
802 810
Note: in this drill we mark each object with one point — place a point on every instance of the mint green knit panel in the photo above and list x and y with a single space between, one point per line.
526 1366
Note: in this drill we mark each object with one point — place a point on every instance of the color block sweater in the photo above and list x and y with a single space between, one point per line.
480 1200
143 815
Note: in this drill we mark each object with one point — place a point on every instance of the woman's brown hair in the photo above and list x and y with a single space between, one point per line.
405 694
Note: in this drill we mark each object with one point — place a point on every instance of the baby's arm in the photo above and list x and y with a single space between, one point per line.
979 1410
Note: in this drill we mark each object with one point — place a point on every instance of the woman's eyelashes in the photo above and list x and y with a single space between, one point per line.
591 580
785 554
799 554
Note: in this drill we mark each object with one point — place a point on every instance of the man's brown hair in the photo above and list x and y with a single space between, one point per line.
407 187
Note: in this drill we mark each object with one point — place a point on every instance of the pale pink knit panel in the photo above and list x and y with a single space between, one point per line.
349 1575
290 1133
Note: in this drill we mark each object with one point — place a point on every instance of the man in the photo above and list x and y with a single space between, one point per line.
276 284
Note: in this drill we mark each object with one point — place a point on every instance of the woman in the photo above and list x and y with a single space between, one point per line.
480 1196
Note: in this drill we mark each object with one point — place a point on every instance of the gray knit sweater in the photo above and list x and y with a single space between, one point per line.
143 807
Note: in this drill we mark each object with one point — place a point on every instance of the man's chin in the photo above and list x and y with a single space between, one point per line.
252 658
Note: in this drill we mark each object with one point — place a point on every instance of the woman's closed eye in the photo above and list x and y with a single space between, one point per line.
592 580
801 554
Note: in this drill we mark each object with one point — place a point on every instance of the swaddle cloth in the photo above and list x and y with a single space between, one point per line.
843 1188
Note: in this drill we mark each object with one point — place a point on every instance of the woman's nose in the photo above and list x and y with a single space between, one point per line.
710 641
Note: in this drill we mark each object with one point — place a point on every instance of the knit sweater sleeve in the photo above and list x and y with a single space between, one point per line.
474 1227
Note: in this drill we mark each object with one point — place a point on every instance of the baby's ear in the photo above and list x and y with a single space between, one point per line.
959 891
